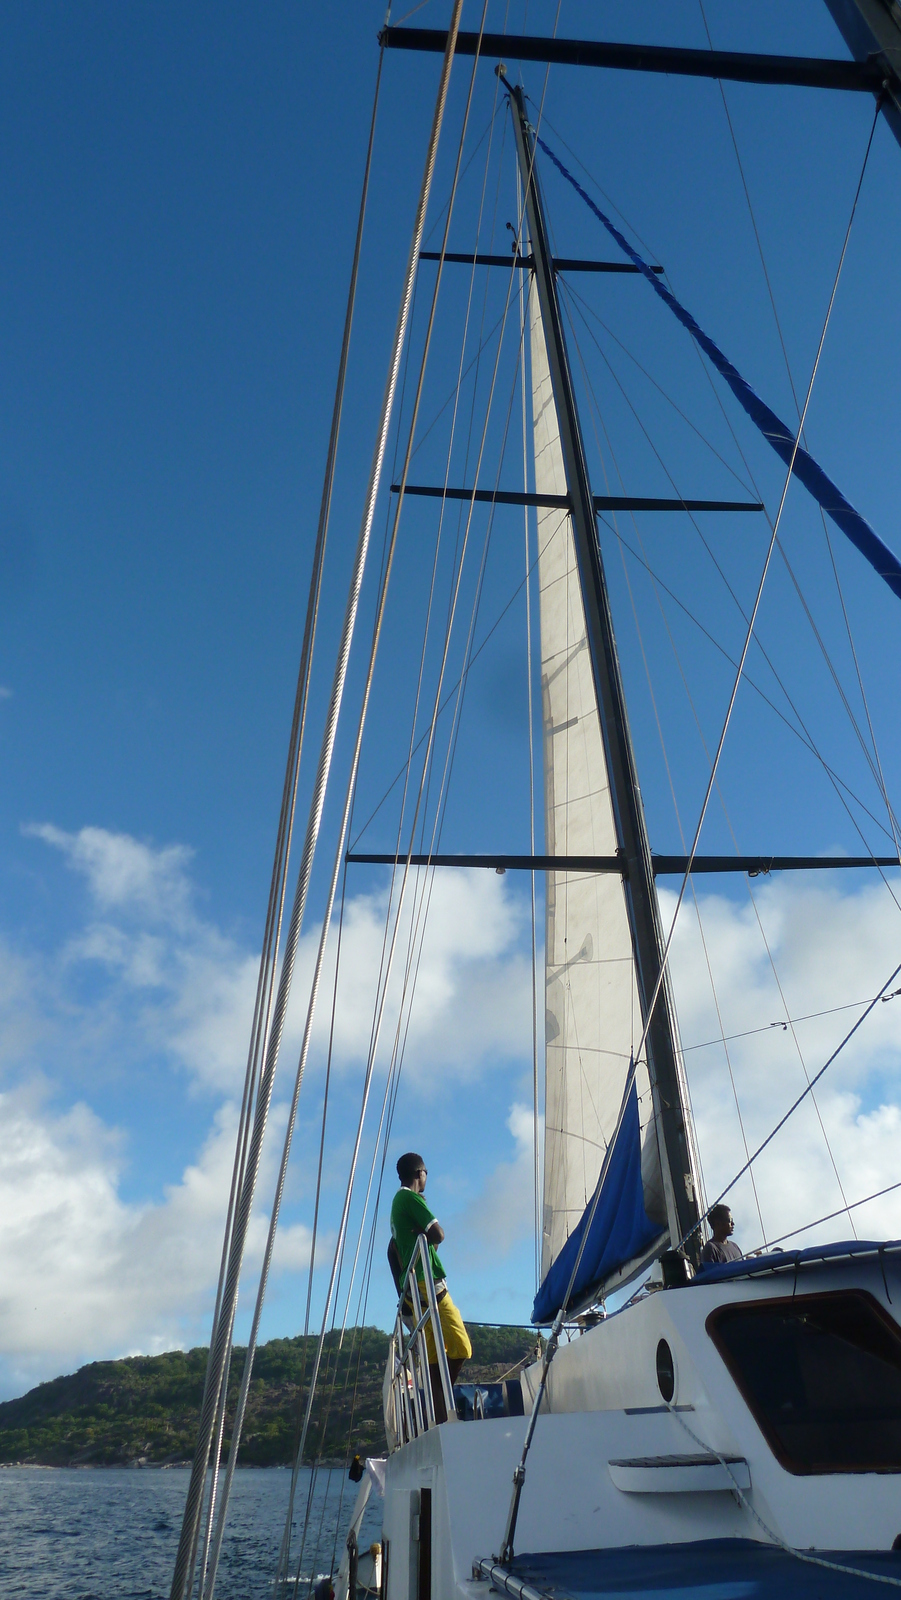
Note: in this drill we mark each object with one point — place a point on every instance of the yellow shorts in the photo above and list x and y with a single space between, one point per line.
456 1339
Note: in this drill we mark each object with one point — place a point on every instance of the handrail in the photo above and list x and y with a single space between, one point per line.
409 1402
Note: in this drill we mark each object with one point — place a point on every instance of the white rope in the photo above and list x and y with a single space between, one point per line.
772 1536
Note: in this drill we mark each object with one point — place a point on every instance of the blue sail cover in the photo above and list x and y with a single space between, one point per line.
621 1228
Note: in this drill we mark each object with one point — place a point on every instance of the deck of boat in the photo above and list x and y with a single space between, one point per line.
710 1569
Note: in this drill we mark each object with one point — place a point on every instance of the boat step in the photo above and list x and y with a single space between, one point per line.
680 1474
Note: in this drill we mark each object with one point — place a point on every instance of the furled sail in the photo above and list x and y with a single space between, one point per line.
593 1012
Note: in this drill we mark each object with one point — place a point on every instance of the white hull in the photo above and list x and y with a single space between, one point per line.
605 1406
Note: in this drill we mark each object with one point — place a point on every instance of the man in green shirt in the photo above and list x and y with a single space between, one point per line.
410 1217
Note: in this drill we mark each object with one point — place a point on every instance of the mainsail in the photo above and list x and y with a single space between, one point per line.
593 1010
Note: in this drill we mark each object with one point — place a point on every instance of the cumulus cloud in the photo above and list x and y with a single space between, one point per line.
189 990
831 948
473 984
84 1272
144 976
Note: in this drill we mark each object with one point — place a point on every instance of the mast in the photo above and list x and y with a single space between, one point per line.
872 31
667 1081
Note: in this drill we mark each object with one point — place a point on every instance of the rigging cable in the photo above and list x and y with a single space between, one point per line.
383 984
878 772
783 440
852 1005
750 892
536 1160
380 611
804 734
759 595
216 1379
520 1471
728 822
801 1097
421 900
773 1537
313 826
793 1233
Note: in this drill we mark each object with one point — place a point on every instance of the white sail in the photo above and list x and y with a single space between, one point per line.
593 1014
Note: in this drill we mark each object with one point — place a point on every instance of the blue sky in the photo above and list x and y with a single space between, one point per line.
179 190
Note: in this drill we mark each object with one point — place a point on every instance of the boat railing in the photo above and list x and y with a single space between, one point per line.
409 1397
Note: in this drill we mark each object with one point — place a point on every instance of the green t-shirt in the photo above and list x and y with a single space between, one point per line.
410 1216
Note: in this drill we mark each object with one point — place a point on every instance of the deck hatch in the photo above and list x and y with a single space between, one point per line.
821 1375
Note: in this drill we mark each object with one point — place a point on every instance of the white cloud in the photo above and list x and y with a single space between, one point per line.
124 874
503 1213
87 1274
830 948
473 983
145 977
189 990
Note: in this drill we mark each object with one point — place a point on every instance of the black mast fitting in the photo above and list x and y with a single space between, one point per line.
737 66
562 502
561 263
754 866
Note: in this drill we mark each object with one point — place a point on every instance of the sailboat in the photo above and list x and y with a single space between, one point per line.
728 1429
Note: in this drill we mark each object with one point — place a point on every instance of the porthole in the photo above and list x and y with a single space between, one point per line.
666 1371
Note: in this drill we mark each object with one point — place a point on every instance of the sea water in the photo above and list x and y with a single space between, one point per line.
112 1533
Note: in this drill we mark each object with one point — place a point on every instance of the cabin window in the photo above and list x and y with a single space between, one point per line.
821 1375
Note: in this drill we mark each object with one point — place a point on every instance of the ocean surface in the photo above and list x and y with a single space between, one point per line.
112 1533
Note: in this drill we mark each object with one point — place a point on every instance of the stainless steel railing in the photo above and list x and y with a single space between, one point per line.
408 1398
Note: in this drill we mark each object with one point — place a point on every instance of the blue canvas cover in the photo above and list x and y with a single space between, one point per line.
707 1569
788 1260
620 1230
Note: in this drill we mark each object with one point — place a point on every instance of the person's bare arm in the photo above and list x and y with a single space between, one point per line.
434 1233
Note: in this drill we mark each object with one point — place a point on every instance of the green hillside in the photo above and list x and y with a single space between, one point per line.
147 1408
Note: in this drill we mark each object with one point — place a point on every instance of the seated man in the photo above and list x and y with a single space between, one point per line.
720 1247
410 1217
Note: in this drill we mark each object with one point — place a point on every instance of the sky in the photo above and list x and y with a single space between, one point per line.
179 192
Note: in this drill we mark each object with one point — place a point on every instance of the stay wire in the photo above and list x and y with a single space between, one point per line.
801 1097
519 1476
341 1239
877 769
749 890
804 736
187 1552
313 828
759 595
773 1537
793 1233
389 956
596 412
799 731
536 1160
284 1553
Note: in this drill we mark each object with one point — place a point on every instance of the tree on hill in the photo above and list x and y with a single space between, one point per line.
147 1408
